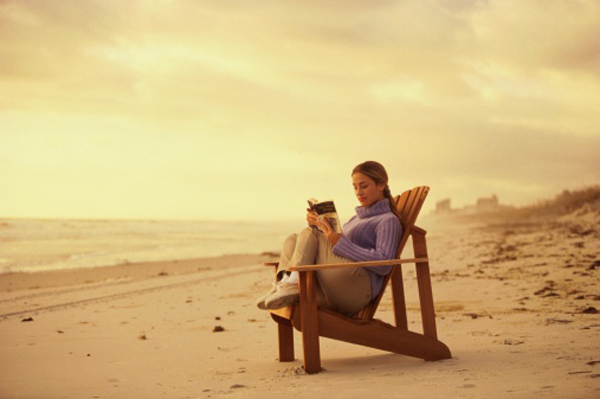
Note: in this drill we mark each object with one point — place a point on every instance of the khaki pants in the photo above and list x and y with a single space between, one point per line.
344 290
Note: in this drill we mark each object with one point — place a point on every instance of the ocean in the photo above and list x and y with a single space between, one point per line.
33 245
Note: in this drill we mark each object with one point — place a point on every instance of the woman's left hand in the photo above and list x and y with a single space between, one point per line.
331 235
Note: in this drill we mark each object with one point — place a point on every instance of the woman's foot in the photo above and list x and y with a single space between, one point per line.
286 294
260 302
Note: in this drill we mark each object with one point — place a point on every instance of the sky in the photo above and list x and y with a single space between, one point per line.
241 110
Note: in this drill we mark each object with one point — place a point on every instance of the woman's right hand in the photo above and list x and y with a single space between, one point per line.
311 218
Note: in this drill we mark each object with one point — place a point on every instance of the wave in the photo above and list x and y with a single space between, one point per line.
42 245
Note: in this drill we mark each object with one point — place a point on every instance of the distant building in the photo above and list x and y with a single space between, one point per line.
487 204
443 206
483 205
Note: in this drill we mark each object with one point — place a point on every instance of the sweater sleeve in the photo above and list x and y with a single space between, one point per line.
387 236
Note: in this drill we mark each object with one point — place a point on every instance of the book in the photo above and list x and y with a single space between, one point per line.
327 210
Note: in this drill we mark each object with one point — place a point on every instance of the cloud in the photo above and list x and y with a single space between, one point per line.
470 95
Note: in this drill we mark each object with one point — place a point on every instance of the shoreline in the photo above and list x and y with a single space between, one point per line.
17 281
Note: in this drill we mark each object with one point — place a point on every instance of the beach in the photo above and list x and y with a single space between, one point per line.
156 155
516 302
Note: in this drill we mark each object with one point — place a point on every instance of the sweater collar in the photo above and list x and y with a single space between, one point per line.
381 206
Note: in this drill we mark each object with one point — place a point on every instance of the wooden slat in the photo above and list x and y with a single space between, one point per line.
422 194
412 198
401 206
407 216
409 212
401 201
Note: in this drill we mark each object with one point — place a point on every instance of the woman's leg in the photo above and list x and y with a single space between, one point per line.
299 249
304 253
287 251
345 290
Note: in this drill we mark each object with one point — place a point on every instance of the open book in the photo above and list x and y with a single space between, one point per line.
327 210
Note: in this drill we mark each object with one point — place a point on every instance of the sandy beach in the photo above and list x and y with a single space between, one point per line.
517 303
154 155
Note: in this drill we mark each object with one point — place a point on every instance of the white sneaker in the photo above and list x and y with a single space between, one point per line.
260 302
287 294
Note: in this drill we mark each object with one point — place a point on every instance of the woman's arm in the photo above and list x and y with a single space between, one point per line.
311 218
331 235
387 238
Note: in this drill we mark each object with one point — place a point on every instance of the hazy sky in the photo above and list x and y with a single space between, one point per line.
243 109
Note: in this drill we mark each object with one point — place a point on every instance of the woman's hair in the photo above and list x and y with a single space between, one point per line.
377 173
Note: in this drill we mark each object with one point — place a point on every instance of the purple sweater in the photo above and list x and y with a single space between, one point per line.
372 234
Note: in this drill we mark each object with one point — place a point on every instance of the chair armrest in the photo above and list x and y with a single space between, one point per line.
271 264
417 229
391 262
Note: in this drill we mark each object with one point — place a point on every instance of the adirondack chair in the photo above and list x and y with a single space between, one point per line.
364 329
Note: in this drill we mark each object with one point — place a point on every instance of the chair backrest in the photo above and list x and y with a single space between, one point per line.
409 204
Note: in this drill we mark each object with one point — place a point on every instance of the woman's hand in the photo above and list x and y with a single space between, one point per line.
311 218
331 235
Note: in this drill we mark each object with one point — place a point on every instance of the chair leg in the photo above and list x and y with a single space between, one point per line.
398 299
286 342
424 283
310 323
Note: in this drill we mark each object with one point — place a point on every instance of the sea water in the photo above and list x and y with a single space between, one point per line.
30 245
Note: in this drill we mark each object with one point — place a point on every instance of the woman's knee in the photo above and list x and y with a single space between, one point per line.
290 243
306 230
291 238
307 234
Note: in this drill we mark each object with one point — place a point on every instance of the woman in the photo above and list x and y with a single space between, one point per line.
372 234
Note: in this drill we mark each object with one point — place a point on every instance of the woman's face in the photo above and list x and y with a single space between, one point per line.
367 191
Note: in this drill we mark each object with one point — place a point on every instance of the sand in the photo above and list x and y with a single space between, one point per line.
516 303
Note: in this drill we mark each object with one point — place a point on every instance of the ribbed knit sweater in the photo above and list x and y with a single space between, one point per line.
372 234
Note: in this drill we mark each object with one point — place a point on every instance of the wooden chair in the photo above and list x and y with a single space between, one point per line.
364 329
